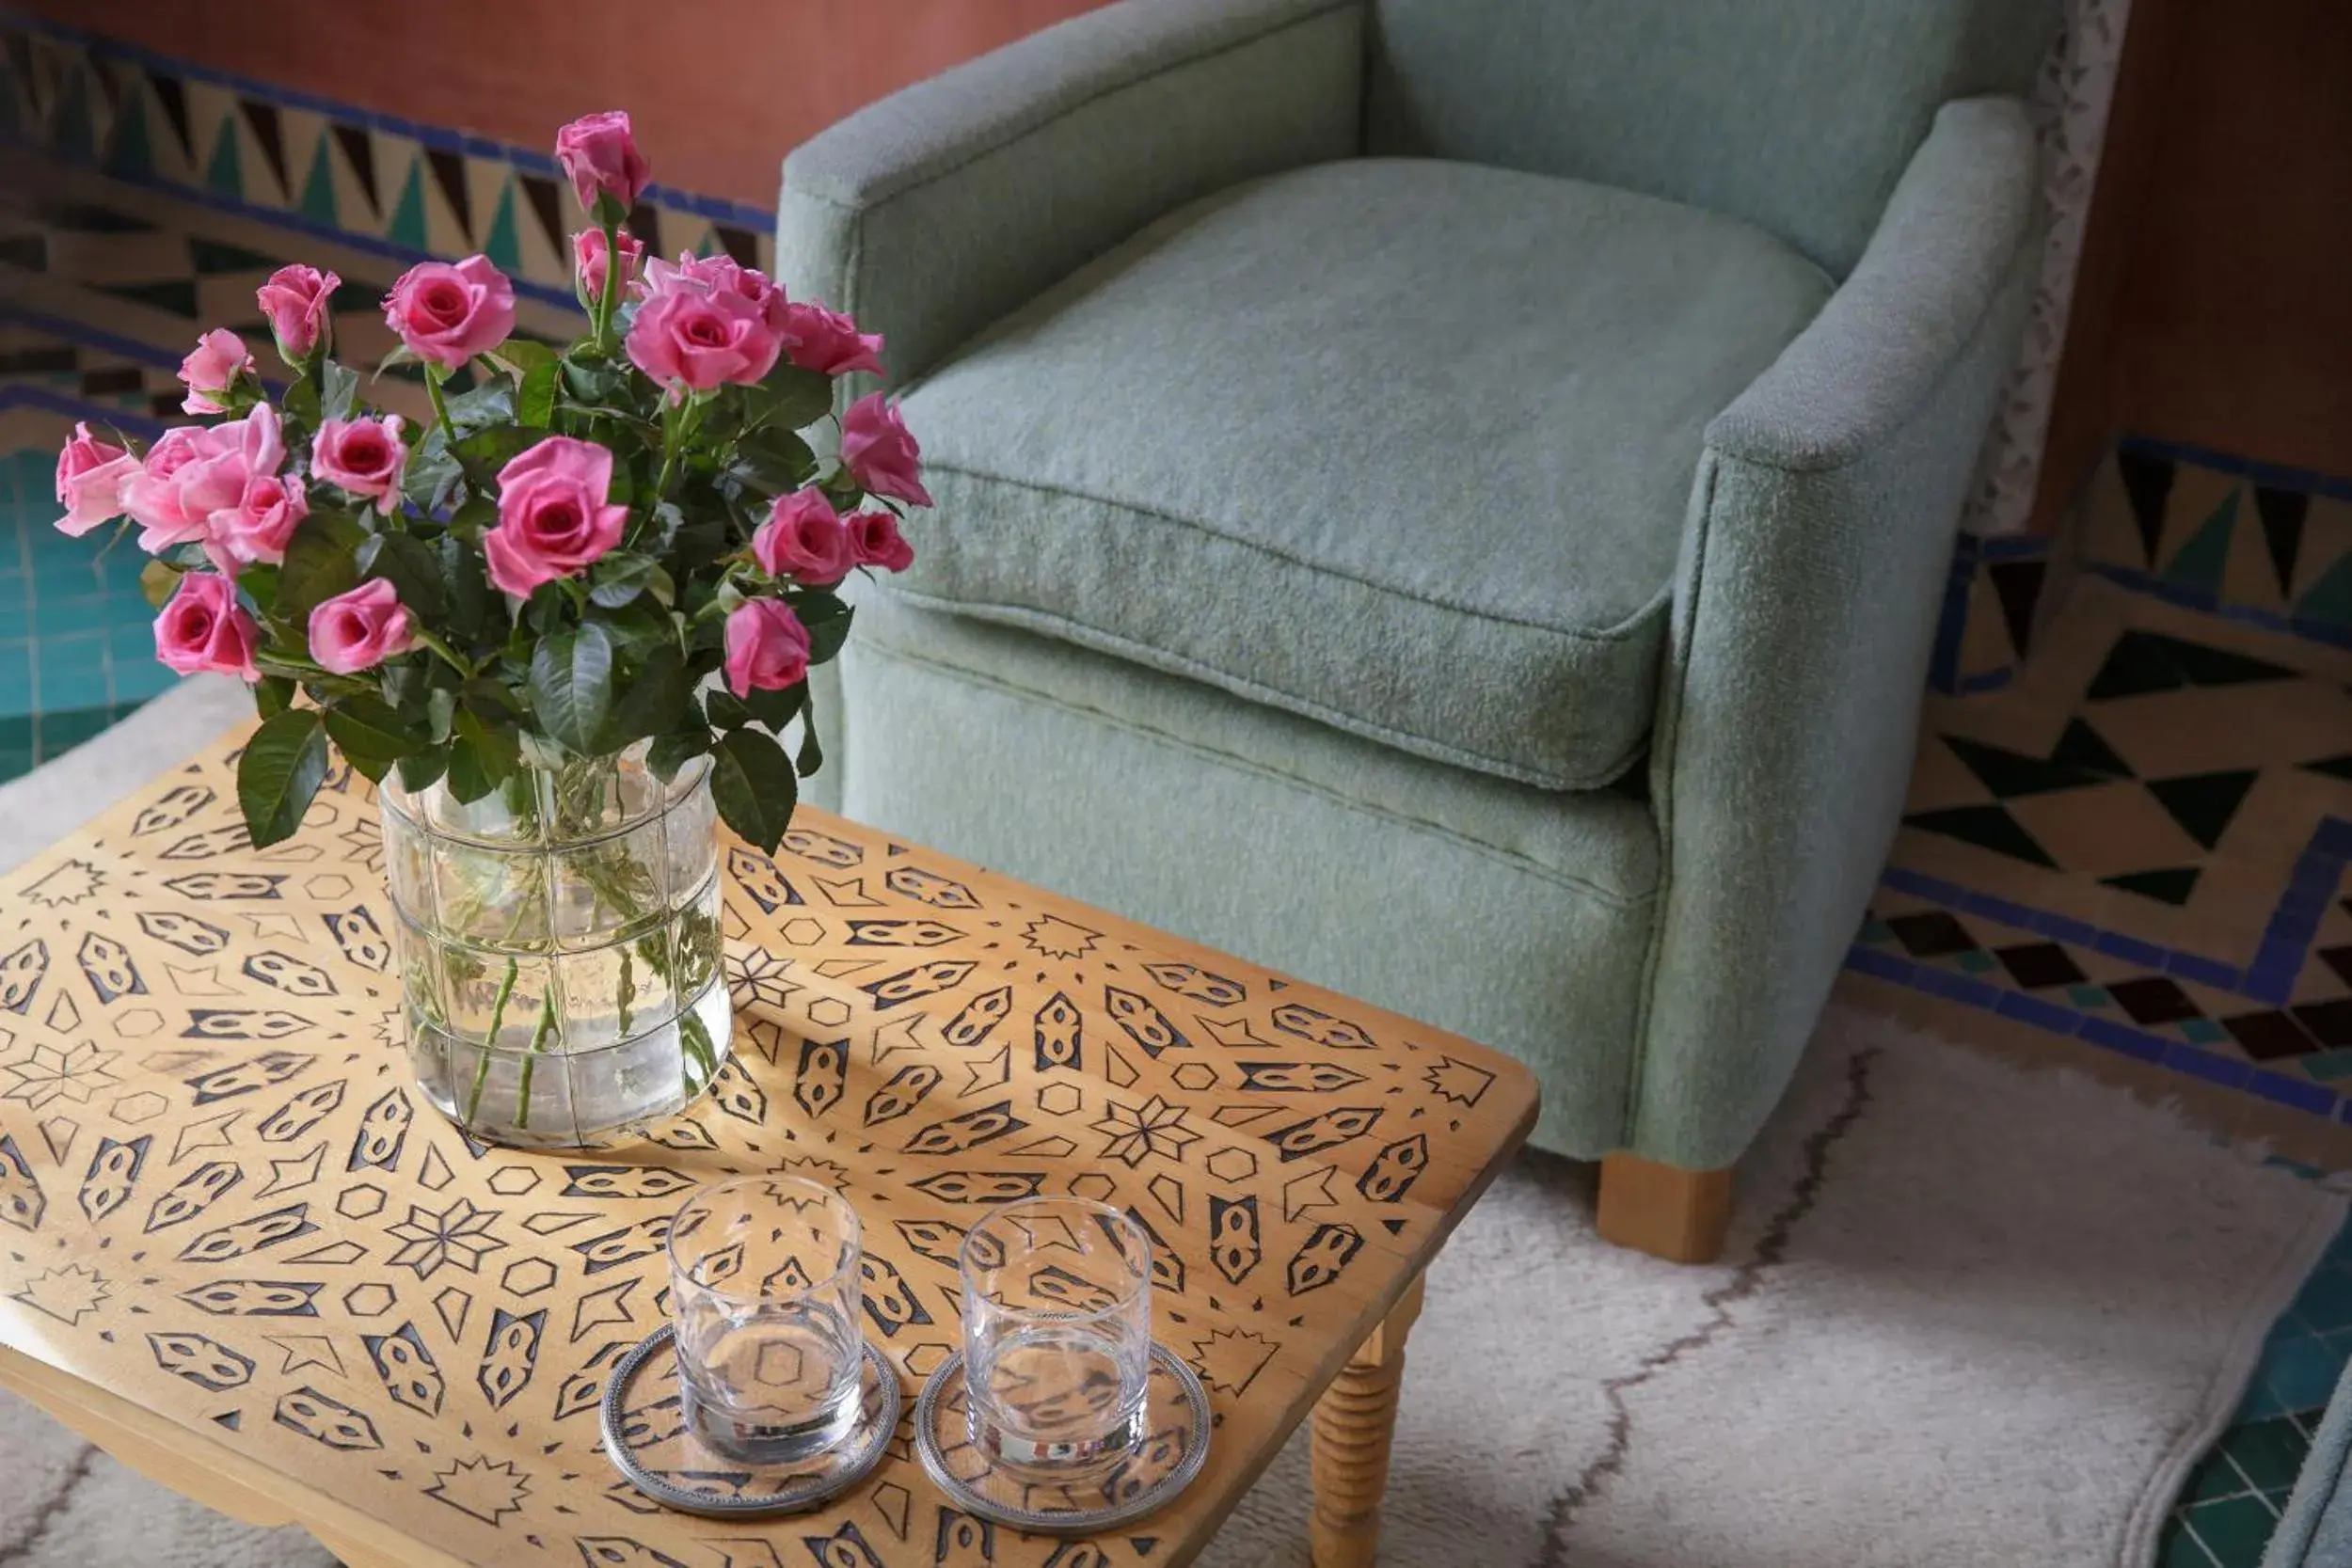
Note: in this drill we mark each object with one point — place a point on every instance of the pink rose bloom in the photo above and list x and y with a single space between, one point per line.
767 647
802 539
203 628
721 274
591 261
875 537
210 368
255 531
90 476
448 313
830 343
360 629
194 476
363 456
685 337
554 514
880 454
296 299
600 158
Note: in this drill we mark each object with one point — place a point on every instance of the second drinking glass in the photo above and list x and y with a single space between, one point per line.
1057 1332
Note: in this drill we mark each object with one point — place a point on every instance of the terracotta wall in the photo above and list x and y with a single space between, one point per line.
2212 306
719 94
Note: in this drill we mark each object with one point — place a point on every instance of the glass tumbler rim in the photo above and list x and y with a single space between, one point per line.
1127 1225
855 1235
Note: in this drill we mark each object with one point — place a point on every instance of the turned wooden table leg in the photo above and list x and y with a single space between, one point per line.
1355 1420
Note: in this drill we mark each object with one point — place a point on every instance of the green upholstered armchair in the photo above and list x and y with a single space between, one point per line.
1449 498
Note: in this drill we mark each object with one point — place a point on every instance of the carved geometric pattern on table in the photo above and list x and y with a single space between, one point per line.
221 1196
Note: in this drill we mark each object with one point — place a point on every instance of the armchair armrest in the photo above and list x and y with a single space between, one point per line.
940 209
1813 565
1876 352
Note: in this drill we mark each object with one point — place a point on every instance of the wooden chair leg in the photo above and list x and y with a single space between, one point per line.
1662 1209
1354 1421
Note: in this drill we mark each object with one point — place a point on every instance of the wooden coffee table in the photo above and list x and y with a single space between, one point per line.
240 1253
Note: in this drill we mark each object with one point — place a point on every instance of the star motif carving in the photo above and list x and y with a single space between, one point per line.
71 1073
488 1492
1154 1127
458 1236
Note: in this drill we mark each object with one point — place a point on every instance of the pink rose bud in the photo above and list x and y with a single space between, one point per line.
876 538
446 314
210 368
555 516
687 338
255 531
767 647
203 629
363 456
295 301
360 629
880 454
600 158
590 262
829 342
802 539
90 476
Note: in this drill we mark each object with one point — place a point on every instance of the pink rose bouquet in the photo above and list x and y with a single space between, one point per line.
624 541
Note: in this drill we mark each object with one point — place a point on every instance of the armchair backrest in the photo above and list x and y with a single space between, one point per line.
1795 114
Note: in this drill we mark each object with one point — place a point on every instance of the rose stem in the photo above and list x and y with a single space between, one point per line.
489 1043
531 1058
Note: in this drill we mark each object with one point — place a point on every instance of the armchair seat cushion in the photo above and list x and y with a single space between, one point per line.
1405 446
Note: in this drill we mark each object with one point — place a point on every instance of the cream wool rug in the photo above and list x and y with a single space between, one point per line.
1970 1317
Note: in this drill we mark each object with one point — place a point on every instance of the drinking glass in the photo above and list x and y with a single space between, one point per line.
764 1293
1056 1331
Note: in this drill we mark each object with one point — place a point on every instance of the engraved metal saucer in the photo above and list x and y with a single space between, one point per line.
1068 1501
648 1440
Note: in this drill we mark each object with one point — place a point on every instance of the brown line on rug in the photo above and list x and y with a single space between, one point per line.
38 1525
1743 1283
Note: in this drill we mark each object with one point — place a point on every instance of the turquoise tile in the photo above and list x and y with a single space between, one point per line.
2301 1372
2087 996
2234 1530
2214 1477
61 731
2204 1030
2177 1548
2269 1454
2325 1302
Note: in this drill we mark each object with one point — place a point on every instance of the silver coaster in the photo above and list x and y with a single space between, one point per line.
1073 1501
649 1442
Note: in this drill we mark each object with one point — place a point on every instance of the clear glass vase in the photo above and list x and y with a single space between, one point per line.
559 948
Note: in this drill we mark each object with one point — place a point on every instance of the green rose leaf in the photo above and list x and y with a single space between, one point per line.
371 734
338 393
753 783
481 757
534 400
773 461
412 567
571 685
812 755
490 404
486 452
272 695
652 699
676 748
521 355
790 399
776 708
320 562
282 769
422 770
726 710
468 597
258 584
301 402
159 580
827 620
433 473
620 578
